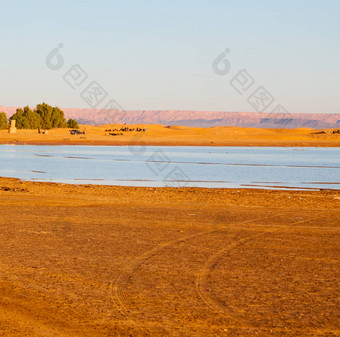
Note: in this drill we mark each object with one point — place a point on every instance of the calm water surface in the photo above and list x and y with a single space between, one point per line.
270 167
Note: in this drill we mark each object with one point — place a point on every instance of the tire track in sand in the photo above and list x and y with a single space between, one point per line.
212 261
116 288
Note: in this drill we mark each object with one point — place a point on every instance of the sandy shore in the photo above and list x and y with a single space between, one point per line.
84 260
176 135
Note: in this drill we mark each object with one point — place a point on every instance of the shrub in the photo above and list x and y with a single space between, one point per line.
73 124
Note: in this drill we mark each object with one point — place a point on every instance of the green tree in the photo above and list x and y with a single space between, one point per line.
51 117
3 121
58 118
20 119
72 124
45 112
26 119
32 117
44 117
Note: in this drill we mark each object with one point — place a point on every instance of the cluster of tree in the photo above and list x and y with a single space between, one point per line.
3 121
43 116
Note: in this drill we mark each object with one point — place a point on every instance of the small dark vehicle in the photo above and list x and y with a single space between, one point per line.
77 132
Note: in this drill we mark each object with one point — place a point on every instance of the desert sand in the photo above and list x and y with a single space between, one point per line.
176 135
83 260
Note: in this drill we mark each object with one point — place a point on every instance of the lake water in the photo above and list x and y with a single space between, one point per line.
156 166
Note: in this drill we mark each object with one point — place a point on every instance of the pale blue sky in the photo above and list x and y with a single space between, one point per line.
158 54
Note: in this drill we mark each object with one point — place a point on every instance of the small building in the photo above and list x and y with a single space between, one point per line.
12 128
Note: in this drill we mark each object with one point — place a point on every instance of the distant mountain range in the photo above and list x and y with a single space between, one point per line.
200 118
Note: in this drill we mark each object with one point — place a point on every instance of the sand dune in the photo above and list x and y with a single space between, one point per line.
176 135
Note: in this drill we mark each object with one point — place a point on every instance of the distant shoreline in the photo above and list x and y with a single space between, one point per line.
161 135
304 144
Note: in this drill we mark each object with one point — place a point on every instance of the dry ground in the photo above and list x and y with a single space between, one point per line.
176 135
125 261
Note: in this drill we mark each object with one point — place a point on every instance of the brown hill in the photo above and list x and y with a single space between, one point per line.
200 118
